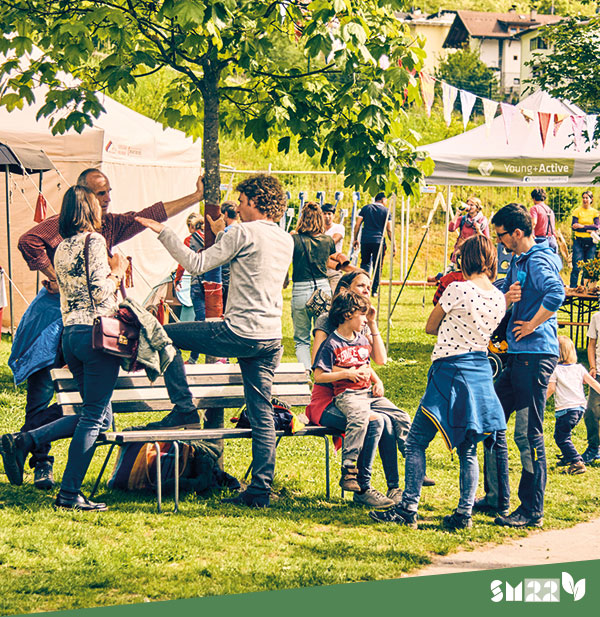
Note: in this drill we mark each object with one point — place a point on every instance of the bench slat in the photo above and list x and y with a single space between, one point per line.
138 381
300 400
191 434
285 368
198 392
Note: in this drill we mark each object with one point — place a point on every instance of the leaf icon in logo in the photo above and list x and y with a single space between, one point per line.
579 590
568 583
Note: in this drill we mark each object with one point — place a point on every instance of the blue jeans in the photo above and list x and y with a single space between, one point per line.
39 411
369 251
521 388
565 423
421 433
258 360
583 250
380 432
199 304
96 374
302 319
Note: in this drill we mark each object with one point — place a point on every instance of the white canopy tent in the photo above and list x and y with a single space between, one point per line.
476 158
144 163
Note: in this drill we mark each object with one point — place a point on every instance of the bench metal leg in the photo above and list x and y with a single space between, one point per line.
176 445
327 491
104 464
158 477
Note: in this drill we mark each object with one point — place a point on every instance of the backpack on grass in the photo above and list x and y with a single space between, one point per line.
135 467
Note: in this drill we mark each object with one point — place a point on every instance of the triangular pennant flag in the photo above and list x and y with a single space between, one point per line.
578 124
448 97
528 114
508 112
590 122
544 120
467 100
427 91
489 111
558 120
40 209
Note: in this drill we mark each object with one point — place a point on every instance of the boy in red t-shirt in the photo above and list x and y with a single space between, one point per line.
343 361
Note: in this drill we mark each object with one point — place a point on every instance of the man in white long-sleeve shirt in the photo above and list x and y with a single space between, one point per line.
259 253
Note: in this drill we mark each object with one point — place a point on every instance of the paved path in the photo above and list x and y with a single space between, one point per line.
578 543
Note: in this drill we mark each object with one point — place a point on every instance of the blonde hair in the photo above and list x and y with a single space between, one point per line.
567 354
476 201
311 219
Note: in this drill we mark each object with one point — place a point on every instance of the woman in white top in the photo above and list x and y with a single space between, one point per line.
82 298
566 383
459 401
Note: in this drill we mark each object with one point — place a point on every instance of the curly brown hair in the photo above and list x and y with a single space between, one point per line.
267 194
311 219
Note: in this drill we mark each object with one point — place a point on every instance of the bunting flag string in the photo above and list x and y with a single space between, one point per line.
427 91
448 98
467 101
578 123
544 120
508 112
558 120
547 122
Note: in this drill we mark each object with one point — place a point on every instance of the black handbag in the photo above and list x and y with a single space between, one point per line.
319 301
112 335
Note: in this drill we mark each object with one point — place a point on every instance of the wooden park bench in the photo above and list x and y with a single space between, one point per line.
212 385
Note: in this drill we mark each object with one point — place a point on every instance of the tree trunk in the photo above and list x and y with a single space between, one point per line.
212 197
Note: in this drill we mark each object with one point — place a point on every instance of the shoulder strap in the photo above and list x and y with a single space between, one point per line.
309 261
86 258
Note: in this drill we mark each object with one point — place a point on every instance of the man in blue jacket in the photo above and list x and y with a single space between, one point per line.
534 288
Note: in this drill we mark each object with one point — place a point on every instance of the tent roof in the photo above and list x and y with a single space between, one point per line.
482 158
23 160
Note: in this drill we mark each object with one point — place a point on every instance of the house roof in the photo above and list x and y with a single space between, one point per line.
477 24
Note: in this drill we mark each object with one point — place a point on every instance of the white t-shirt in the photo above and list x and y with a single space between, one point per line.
593 333
472 315
337 228
569 386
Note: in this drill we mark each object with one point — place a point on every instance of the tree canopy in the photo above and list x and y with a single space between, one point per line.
335 76
569 69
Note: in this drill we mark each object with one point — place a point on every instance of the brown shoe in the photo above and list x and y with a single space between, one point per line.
428 481
575 469
349 481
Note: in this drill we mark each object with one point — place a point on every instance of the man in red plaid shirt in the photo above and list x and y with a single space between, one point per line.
38 246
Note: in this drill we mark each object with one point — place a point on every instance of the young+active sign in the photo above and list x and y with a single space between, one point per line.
527 170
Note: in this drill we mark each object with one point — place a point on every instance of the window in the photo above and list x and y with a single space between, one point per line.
515 57
538 43
516 81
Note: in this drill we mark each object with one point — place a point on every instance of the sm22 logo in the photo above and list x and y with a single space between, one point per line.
537 589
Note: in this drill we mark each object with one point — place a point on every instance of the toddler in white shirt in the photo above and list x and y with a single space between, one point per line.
566 383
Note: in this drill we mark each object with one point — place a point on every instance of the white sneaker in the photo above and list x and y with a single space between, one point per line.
373 498
395 494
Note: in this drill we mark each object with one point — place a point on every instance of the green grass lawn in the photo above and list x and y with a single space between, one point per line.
60 560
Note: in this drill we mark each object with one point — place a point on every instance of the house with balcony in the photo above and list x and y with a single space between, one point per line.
497 38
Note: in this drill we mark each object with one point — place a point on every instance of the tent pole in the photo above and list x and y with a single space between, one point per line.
406 241
402 237
37 272
10 274
393 243
448 198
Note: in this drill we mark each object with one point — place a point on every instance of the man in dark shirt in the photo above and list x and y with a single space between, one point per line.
375 221
38 246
